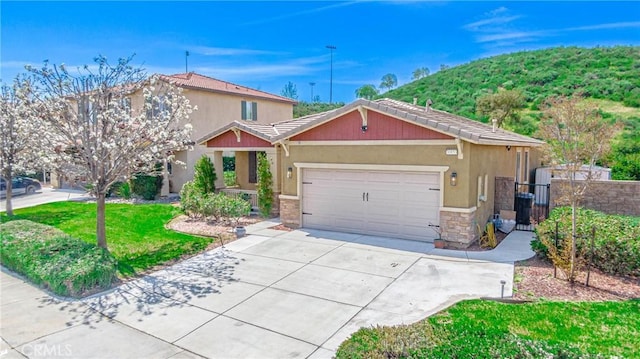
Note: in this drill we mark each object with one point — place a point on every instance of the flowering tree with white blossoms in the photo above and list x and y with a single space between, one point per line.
110 121
20 148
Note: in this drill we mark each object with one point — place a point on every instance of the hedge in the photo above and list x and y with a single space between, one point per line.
54 260
616 245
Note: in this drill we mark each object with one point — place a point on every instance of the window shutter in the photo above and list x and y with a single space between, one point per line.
254 111
253 167
244 110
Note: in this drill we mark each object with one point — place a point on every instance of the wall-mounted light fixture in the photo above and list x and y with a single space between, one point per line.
508 148
289 172
454 179
364 128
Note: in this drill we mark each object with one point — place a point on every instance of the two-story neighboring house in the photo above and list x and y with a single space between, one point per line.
219 103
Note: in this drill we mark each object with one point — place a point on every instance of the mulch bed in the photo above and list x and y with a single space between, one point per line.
281 227
475 247
534 280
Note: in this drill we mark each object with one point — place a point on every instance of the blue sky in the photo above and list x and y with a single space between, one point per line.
266 44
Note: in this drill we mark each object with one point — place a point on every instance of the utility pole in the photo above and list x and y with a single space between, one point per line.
331 48
186 61
312 84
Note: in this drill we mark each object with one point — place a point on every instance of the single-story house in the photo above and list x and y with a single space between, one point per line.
382 167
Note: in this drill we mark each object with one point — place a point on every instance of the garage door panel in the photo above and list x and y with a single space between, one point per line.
399 204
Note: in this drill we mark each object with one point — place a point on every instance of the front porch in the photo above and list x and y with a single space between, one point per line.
245 174
246 194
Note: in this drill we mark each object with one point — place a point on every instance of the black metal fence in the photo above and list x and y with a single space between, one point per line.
531 204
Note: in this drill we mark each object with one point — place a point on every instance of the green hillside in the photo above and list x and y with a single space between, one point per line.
608 76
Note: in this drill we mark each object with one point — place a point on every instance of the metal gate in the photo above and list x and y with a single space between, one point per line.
531 204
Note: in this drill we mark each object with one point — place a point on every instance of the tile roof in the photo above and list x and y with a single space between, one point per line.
441 121
201 82
453 125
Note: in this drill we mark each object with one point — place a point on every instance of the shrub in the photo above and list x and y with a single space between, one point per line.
125 190
236 208
265 185
191 200
215 206
204 176
146 186
230 178
616 245
52 259
114 189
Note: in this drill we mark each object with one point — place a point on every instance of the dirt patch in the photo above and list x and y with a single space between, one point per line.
475 246
534 279
281 227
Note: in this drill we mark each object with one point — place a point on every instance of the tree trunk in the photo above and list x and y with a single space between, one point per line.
100 221
9 185
572 272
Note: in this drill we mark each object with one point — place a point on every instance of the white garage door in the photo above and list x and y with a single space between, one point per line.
391 204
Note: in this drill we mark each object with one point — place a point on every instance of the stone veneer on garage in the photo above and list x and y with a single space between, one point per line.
290 212
459 229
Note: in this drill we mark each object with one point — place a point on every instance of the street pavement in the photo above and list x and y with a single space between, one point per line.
272 294
45 195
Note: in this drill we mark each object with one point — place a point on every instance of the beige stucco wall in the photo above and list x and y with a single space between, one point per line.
460 201
242 171
216 110
417 155
487 162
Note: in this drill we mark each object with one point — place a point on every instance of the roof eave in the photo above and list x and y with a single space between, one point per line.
282 100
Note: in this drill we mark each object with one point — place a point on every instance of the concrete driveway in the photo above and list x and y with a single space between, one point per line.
45 195
272 294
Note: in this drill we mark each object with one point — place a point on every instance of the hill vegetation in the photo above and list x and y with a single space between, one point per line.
608 76
303 108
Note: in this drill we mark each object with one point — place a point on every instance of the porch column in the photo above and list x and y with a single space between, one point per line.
272 156
217 162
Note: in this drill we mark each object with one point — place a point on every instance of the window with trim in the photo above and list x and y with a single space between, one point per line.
518 165
525 172
158 107
249 110
125 103
86 110
253 167
522 165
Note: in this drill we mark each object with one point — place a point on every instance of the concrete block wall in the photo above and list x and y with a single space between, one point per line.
612 197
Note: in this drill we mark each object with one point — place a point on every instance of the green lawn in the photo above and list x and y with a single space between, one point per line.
136 235
487 329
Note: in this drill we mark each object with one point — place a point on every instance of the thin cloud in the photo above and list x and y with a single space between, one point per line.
298 13
16 64
226 51
521 36
613 25
478 25
513 36
249 71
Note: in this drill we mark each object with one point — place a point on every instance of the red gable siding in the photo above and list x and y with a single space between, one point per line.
228 139
380 127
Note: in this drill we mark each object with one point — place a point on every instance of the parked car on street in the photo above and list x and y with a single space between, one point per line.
21 185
